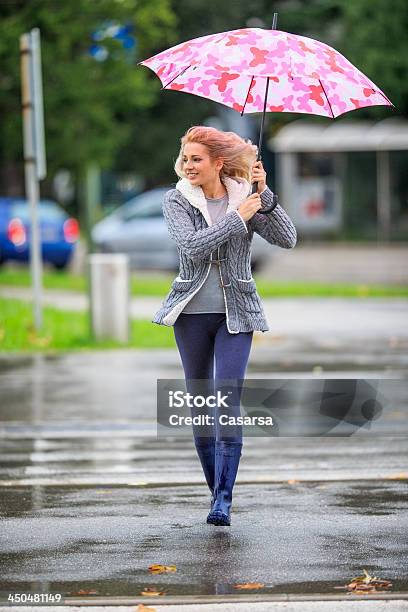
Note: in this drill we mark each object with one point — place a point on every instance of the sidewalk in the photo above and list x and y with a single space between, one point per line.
348 262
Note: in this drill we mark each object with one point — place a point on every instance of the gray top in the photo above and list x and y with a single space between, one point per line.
210 297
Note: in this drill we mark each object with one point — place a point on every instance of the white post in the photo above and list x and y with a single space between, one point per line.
109 296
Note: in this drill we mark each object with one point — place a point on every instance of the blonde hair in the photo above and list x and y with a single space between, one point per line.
237 154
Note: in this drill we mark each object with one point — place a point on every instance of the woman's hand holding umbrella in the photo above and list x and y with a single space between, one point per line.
253 203
258 180
258 176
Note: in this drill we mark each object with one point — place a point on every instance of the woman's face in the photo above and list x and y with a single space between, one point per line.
198 167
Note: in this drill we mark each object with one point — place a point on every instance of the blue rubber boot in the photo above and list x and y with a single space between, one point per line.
227 456
206 454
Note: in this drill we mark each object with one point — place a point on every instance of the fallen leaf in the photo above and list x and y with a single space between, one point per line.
400 476
364 578
293 481
143 608
85 592
156 568
249 585
367 584
152 591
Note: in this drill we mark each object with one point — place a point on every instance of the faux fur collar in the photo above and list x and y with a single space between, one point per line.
238 190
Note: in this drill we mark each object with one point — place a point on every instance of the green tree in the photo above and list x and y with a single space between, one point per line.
88 104
374 37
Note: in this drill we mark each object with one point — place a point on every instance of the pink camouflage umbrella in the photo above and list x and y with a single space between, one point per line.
254 70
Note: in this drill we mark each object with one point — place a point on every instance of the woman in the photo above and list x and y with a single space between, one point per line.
213 304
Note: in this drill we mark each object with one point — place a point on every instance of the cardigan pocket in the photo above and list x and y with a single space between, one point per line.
182 285
247 286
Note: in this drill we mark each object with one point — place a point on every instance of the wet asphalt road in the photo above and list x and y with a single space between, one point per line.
297 538
89 498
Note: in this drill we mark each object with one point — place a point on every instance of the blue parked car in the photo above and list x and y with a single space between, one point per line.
58 231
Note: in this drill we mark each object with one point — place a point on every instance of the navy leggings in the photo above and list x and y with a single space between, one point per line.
211 356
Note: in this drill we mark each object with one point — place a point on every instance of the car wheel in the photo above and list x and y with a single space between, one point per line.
60 265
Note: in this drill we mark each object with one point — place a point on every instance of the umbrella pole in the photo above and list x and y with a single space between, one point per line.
259 156
269 209
263 121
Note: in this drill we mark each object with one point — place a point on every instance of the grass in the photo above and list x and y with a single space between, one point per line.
20 277
158 285
65 330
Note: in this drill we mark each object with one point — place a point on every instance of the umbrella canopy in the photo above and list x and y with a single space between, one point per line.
254 70
234 67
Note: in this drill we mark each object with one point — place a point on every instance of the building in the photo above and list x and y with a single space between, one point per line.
347 179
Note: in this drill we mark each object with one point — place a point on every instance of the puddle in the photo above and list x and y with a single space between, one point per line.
373 500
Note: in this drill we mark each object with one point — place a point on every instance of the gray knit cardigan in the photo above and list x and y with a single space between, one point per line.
190 226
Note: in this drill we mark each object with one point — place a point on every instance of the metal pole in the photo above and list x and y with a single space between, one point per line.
38 105
30 166
383 196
